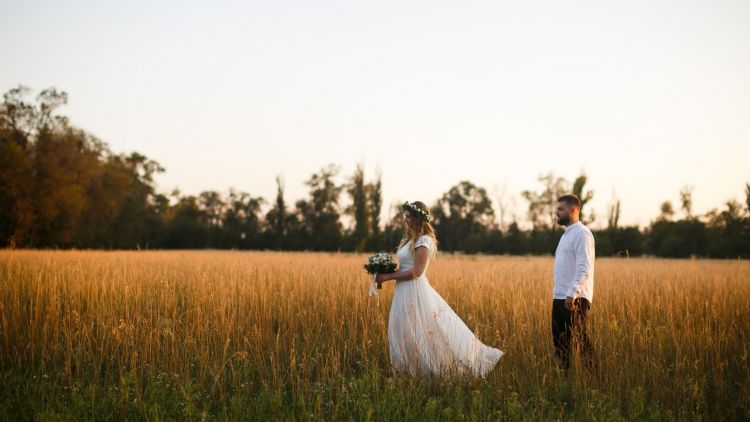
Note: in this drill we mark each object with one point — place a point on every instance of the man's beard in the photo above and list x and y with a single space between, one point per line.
563 221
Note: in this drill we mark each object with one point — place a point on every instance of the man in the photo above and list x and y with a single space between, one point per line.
573 284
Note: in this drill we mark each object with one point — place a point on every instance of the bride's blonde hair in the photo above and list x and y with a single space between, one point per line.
418 227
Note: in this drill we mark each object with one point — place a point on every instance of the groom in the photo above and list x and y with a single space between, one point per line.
574 284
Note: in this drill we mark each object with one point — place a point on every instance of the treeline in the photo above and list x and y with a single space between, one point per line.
60 187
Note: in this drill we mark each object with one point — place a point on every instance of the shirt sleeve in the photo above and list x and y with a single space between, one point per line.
584 248
425 241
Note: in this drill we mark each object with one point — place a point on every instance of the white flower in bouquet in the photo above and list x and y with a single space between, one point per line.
380 263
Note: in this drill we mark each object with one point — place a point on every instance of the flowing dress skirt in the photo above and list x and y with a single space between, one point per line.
426 337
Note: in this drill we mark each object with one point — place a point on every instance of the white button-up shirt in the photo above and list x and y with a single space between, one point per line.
574 263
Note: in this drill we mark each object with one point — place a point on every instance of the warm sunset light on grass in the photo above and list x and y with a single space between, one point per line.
291 335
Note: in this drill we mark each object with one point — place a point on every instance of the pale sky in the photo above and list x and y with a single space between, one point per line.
645 96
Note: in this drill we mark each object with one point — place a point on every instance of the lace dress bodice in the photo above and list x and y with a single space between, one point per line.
406 258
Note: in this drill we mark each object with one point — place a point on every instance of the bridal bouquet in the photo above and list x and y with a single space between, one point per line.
379 264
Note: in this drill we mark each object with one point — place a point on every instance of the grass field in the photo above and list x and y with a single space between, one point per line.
264 335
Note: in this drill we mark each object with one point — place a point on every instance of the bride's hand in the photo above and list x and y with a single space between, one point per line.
382 277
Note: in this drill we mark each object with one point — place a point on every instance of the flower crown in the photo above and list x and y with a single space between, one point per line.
416 211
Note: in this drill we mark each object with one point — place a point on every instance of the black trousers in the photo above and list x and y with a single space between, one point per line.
569 332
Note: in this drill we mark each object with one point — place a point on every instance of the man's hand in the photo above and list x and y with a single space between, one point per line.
569 304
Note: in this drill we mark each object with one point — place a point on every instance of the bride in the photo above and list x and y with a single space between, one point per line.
425 335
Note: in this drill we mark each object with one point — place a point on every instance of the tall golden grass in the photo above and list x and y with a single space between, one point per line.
221 330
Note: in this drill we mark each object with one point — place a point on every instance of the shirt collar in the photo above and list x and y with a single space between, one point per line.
576 224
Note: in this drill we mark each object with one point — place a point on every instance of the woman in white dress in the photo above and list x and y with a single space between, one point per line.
425 335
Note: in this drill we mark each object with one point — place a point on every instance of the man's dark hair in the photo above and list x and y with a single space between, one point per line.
571 200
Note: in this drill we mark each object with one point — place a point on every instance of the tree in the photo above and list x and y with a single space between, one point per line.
614 214
375 201
278 219
17 214
394 229
729 238
515 241
26 166
241 225
321 211
66 166
18 116
62 187
502 202
107 224
686 199
138 221
212 205
543 205
666 211
187 226
463 216
578 186
49 100
357 190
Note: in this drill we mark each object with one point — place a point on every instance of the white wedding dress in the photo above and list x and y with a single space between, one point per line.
425 335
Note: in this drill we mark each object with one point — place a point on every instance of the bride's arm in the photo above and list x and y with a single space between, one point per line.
422 255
